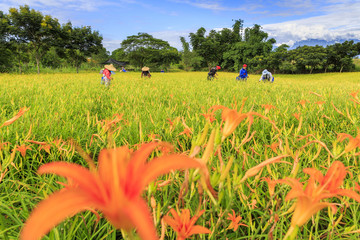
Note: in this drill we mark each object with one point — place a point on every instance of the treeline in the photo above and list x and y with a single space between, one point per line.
30 39
231 48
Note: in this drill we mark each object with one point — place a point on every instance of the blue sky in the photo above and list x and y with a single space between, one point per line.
287 21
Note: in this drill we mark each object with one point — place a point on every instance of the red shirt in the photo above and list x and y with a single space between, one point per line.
107 73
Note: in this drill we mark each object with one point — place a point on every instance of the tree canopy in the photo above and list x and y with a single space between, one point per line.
143 49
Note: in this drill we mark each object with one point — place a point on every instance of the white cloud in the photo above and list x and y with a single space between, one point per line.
340 21
172 37
217 5
111 44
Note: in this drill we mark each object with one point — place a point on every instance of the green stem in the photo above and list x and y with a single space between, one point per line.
291 233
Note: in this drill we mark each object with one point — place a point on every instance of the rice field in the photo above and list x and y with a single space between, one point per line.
246 160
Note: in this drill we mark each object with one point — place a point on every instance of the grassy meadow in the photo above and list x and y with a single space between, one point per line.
303 119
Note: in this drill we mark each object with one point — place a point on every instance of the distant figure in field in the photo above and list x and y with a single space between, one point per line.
243 75
102 76
266 75
145 72
213 72
108 69
162 71
123 69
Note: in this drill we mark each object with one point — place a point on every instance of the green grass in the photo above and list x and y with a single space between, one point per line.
72 106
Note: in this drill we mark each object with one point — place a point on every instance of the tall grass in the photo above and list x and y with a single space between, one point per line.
73 106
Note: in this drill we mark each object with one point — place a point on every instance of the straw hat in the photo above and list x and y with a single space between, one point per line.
145 69
110 67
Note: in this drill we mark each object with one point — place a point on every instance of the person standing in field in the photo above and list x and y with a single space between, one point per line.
243 75
107 74
266 75
145 72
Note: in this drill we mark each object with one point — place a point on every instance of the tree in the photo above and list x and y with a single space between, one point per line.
119 55
79 43
35 29
189 58
143 49
342 55
5 53
256 45
310 56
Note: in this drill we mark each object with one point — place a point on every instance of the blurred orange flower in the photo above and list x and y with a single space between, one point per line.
22 149
319 187
303 102
186 131
209 116
297 115
235 221
320 103
267 108
354 95
183 225
2 144
16 117
114 188
271 185
354 142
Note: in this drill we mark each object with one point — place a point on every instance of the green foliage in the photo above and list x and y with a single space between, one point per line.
34 28
79 43
143 49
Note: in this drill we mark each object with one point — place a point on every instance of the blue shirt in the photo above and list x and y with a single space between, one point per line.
243 73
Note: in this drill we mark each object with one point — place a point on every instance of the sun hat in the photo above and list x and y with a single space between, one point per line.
110 67
145 69
218 67
244 65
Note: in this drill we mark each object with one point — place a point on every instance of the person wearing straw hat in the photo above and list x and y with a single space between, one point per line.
145 71
107 74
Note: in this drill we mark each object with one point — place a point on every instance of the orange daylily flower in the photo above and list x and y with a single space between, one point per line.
297 116
46 147
274 146
232 118
22 149
16 117
186 131
319 187
354 142
320 103
267 108
354 95
114 188
303 102
235 221
271 185
108 124
183 225
209 116
2 144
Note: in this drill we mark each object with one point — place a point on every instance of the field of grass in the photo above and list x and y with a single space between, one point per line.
69 108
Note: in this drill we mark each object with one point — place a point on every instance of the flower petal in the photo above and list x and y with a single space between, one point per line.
164 164
138 213
198 230
78 174
52 211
